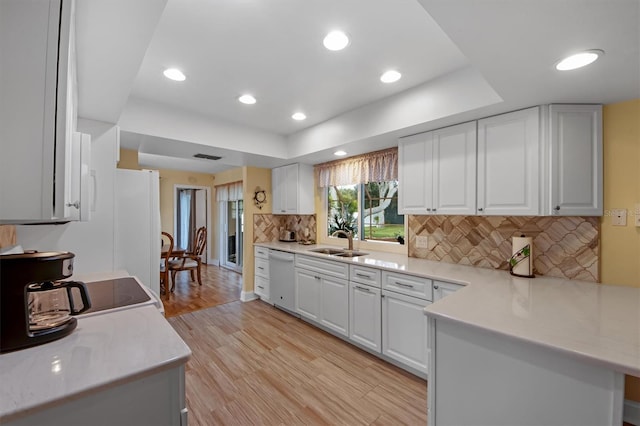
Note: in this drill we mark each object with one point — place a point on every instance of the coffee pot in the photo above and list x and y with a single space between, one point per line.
36 307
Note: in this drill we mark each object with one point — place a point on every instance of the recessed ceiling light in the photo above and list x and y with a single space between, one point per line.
247 99
390 76
336 40
174 74
298 116
340 153
579 60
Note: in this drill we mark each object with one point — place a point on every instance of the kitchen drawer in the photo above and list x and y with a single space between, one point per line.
324 267
262 267
261 287
408 284
261 252
364 275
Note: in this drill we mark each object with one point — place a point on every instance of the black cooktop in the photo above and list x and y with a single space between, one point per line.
115 293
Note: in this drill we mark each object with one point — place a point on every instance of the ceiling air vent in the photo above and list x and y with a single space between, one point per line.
207 157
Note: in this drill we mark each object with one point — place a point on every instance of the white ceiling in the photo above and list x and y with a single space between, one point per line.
460 60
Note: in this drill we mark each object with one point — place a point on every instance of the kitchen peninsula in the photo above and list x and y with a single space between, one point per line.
124 367
543 350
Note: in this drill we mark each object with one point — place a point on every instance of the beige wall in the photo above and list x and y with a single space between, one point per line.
620 256
128 159
252 178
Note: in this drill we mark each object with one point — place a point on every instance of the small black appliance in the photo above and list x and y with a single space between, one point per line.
35 306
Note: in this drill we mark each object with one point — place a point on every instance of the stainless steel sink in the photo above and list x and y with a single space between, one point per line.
347 253
327 250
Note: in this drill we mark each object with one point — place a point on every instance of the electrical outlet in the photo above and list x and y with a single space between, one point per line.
619 217
422 241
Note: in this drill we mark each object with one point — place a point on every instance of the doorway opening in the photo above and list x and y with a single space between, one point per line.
231 207
191 212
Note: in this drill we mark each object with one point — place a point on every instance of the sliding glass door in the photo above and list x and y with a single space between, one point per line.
231 225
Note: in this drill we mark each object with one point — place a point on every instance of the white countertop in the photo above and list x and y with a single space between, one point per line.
103 351
592 322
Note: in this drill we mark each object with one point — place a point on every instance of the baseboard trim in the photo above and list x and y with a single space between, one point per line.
631 413
247 296
214 262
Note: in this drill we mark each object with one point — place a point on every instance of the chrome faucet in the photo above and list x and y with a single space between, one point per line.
347 234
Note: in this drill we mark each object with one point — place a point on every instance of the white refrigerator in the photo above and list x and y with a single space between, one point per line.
137 225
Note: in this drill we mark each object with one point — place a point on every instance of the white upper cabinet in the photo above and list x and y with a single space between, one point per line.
575 154
38 109
293 189
509 148
437 171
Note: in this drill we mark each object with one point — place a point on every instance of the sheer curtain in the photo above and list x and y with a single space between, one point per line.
229 192
378 166
186 218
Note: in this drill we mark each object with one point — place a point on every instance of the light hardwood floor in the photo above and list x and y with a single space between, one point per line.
254 364
219 286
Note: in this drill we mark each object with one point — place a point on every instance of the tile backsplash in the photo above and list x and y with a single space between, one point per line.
266 227
565 247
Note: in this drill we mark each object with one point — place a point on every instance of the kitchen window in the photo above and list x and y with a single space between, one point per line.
368 210
361 196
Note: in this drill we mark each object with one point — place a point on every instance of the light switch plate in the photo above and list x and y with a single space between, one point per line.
422 241
619 217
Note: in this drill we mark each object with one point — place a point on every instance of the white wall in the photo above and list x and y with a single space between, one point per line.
93 241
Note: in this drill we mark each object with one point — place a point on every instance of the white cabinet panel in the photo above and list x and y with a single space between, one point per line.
408 284
365 313
405 330
262 287
575 140
293 189
454 170
437 171
308 294
37 112
335 305
509 164
442 289
415 191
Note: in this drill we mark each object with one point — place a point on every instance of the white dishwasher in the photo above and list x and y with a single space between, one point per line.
282 279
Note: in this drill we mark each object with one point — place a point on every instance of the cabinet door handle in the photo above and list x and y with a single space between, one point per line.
480 209
557 208
404 285
428 210
77 205
435 287
433 210
363 289
316 277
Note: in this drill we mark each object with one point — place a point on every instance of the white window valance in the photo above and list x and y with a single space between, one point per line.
229 192
378 166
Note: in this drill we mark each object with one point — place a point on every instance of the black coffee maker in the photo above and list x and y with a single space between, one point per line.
35 307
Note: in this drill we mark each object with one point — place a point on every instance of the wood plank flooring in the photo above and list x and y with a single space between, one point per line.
219 286
254 364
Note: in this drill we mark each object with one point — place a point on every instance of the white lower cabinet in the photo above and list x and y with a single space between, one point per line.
261 285
334 302
405 330
308 294
365 316
442 289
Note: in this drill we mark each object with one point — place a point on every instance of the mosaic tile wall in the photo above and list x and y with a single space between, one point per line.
565 247
266 227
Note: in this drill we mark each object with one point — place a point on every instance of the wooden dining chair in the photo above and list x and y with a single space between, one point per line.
165 255
190 261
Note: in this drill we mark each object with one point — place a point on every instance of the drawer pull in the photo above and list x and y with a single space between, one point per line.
362 275
363 289
404 285
435 287
316 277
261 287
260 267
